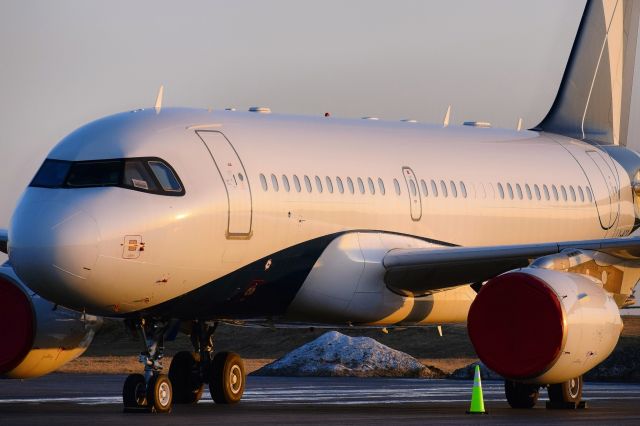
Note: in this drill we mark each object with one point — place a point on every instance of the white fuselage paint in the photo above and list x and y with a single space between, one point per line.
194 239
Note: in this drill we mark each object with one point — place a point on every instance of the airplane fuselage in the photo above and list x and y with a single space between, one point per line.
267 199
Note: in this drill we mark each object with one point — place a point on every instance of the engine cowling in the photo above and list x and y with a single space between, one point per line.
37 337
543 326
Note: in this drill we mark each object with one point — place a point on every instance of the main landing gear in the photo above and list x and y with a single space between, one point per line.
188 373
562 395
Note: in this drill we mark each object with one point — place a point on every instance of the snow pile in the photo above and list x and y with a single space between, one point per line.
334 354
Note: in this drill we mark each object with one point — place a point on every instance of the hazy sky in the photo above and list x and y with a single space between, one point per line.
64 63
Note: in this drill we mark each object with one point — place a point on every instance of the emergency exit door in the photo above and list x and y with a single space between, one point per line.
414 193
605 187
234 177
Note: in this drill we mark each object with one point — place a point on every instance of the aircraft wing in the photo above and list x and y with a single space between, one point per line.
4 238
421 270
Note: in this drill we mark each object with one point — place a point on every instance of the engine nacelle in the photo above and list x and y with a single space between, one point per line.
542 326
36 337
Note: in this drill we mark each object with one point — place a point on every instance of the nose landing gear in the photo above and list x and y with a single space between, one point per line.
153 391
188 373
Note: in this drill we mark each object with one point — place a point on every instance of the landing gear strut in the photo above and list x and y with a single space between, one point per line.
188 373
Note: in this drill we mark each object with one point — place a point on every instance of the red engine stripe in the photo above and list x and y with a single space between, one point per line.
17 329
516 325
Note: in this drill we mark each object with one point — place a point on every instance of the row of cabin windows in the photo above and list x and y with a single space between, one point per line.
435 188
443 190
563 193
320 186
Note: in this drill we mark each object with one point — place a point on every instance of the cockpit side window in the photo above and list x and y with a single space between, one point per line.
151 175
165 176
137 176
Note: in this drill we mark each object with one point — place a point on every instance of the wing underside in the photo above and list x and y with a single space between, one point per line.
422 270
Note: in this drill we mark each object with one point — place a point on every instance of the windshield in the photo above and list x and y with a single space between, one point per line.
140 174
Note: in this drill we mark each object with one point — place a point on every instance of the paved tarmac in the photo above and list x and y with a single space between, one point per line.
66 399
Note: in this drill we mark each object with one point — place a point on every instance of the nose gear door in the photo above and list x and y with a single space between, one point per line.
235 180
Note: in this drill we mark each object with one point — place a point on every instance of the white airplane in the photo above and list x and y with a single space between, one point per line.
188 217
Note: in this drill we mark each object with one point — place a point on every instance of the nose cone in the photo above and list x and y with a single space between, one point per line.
53 249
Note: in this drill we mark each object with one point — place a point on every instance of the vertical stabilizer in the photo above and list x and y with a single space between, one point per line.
594 98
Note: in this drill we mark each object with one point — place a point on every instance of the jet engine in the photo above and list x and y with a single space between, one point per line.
542 326
37 337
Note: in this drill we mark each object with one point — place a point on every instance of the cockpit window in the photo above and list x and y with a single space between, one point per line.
94 173
140 174
165 176
52 174
137 176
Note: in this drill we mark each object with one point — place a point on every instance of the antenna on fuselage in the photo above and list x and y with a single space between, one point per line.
159 99
445 121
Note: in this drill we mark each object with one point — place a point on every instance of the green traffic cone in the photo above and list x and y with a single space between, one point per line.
477 401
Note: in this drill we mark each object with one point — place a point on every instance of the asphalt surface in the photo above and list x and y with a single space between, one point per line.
95 400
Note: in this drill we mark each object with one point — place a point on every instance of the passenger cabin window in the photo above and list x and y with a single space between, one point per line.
527 188
564 192
285 183
372 187
350 185
423 186
361 185
546 192
151 175
454 190
319 184
581 194
443 188
510 190
329 185
307 183
412 186
572 192
463 189
340 185
263 182
555 192
381 186
274 183
519 191
501 191
589 196
396 185
536 189
296 183
434 188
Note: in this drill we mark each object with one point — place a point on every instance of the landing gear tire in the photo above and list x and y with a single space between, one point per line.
184 374
134 392
569 392
160 393
227 378
521 395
